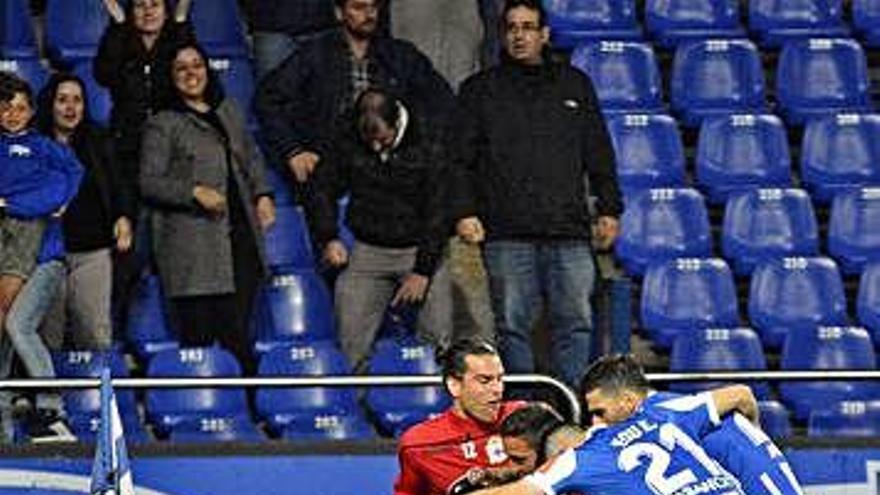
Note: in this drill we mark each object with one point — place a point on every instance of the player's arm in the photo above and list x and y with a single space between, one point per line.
735 398
521 487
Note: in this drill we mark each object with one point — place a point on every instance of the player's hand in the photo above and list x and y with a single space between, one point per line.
265 212
303 164
335 254
470 230
123 233
210 200
412 291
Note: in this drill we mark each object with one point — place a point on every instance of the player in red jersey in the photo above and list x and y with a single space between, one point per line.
452 453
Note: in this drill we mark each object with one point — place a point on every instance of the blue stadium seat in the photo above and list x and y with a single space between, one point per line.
352 426
687 293
148 328
236 76
74 28
717 349
624 73
293 307
774 22
854 229
846 419
764 224
659 224
218 26
398 408
282 187
288 245
648 151
868 301
775 419
99 101
820 76
205 414
28 68
16 30
83 407
298 408
716 77
345 234
839 152
827 348
791 294
671 22
573 22
741 152
866 21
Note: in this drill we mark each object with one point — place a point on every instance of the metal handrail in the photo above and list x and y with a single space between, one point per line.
750 376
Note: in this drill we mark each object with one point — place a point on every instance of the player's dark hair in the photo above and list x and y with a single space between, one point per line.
452 360
535 5
533 423
615 373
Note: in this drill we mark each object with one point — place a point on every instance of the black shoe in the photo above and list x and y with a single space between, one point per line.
47 427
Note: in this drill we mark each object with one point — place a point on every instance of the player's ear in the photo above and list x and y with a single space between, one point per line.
453 385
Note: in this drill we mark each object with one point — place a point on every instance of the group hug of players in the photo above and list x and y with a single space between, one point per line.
640 442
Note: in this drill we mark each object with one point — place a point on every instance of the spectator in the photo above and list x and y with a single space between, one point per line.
203 177
456 451
529 132
97 221
395 172
300 101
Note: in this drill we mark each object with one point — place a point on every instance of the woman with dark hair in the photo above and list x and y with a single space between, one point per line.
96 222
203 178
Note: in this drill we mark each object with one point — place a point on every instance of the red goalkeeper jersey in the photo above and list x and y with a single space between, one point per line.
437 456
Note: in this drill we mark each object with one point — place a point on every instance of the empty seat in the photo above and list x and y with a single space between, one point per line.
790 294
775 419
687 293
294 307
28 68
839 152
83 407
764 224
717 77
854 228
868 301
351 426
573 22
398 408
717 349
148 328
299 408
218 26
74 28
648 152
288 245
776 21
827 348
16 30
741 152
236 76
866 20
205 414
671 22
846 419
817 77
99 101
624 73
660 224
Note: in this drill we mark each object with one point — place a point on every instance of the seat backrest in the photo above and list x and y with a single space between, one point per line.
764 224
295 306
841 149
88 364
717 349
822 72
147 320
866 15
743 151
28 68
868 301
624 74
846 419
99 100
404 357
195 362
854 228
74 28
659 224
766 15
287 242
648 151
16 30
717 74
661 15
218 27
775 420
829 348
590 14
236 76
688 293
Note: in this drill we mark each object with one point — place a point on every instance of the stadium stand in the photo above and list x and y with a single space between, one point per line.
624 74
148 328
846 419
17 37
866 21
28 68
218 26
648 151
854 228
99 101
288 245
839 152
773 22
868 300
74 29
573 22
775 419
674 22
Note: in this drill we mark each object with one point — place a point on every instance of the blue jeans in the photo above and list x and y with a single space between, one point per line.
523 274
23 323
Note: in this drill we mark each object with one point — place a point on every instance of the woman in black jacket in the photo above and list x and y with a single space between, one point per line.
95 223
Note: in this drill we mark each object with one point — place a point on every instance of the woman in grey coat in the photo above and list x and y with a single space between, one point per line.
205 181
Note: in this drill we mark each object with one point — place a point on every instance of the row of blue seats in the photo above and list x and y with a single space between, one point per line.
672 22
759 224
745 151
814 77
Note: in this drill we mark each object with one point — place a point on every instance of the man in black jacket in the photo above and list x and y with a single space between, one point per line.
394 168
300 101
529 131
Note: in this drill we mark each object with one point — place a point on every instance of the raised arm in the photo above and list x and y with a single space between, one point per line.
736 398
117 13
181 11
